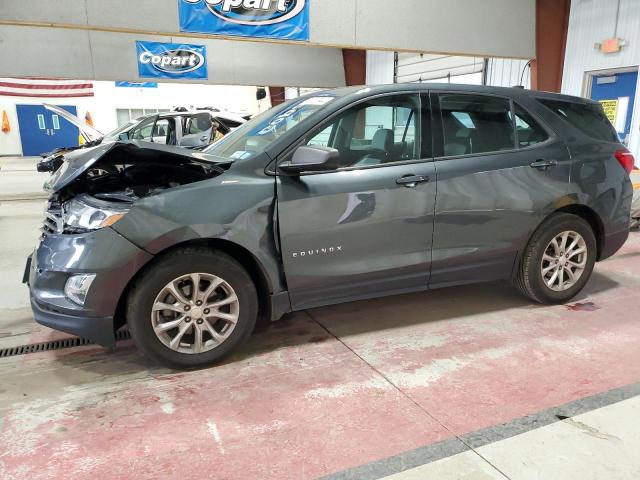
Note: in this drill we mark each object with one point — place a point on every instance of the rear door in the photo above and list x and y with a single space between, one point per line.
497 178
364 229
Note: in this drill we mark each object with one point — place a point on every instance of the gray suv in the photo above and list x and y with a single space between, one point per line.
331 197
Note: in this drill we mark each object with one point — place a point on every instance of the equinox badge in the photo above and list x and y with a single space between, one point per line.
318 251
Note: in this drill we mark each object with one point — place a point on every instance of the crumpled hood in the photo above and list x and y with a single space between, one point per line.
77 162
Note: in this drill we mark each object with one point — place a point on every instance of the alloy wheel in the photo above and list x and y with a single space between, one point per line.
564 261
195 313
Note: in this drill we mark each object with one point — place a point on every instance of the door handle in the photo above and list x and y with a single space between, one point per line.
543 164
410 181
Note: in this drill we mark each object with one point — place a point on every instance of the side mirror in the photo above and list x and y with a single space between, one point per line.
124 136
312 159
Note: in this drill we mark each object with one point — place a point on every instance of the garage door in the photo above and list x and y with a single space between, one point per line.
425 67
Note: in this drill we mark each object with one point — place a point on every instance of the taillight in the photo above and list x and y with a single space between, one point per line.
625 158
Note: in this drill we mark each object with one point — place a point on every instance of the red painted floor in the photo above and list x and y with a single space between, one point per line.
298 403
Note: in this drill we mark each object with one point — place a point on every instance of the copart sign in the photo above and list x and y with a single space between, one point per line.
171 60
283 19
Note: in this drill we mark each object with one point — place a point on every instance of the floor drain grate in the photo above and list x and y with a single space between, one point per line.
56 345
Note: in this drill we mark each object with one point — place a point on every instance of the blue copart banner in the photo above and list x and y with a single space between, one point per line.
282 19
171 60
137 84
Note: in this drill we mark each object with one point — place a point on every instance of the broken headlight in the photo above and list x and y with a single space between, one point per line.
78 215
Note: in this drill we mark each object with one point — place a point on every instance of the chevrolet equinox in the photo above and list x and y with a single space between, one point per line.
331 197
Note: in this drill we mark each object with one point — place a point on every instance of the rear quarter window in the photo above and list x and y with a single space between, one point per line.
589 118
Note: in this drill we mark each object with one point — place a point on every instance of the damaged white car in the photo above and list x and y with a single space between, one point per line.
193 129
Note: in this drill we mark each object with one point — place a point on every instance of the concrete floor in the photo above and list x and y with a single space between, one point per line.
462 383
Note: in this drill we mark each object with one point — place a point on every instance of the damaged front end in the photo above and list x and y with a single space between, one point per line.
81 268
95 187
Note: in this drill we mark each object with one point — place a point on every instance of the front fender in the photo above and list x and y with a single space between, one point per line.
237 209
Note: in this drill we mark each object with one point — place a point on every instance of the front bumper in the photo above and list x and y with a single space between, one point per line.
112 258
99 330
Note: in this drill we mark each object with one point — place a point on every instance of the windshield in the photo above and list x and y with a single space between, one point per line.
256 135
124 128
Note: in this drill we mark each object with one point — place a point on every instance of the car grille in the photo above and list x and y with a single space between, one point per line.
52 222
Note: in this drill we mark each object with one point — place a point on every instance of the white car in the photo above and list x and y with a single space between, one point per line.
189 128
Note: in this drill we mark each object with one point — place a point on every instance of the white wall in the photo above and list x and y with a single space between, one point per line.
379 67
504 28
295 92
508 72
108 98
590 22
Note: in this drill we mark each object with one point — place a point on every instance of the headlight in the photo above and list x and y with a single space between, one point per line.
79 215
77 287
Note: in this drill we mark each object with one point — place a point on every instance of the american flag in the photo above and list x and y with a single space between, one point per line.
45 87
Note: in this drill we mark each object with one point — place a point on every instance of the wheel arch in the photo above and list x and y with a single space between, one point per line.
592 218
239 253
579 210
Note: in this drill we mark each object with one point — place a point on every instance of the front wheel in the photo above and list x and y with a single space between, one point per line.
558 261
192 308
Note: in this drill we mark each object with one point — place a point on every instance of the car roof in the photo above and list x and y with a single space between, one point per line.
514 92
171 114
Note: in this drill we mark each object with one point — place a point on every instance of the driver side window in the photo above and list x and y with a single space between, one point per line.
379 131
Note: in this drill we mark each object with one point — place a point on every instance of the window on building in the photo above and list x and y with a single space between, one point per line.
125 115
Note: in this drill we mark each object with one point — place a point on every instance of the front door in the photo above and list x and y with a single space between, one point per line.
42 131
617 93
197 130
364 229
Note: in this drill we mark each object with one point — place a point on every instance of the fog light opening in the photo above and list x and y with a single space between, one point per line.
77 287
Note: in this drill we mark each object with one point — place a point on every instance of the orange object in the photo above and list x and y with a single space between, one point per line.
88 120
610 45
6 128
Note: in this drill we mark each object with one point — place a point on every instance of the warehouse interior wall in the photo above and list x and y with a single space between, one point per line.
501 28
108 98
590 23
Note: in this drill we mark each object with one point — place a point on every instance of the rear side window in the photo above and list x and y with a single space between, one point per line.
197 124
528 130
476 124
589 118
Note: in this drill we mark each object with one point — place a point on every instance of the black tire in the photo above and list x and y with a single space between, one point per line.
529 278
175 264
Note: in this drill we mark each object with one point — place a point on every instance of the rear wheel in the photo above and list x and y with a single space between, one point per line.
192 308
558 261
